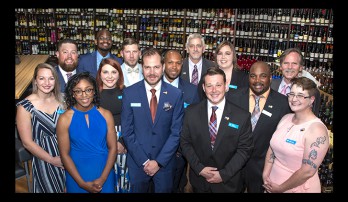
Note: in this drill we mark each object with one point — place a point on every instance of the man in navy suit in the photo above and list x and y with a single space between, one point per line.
172 69
216 163
151 143
273 107
90 62
68 59
195 47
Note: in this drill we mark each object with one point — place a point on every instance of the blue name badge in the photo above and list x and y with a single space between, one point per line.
232 125
135 104
119 97
290 141
60 111
186 105
232 86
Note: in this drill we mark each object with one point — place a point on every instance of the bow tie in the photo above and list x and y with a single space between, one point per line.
130 70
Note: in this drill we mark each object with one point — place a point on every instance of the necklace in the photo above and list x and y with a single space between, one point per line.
290 128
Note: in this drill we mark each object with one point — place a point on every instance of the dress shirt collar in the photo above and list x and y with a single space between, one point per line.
199 65
265 94
64 73
175 83
220 106
157 87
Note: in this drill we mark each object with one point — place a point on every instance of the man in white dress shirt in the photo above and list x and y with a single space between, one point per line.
131 68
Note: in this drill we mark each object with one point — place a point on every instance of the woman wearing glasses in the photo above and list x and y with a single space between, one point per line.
298 146
86 138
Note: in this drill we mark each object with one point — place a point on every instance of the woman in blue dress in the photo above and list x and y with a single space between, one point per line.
86 139
111 83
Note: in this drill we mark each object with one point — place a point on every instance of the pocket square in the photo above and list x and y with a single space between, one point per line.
167 106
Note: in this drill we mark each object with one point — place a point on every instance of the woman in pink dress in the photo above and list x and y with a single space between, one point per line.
298 146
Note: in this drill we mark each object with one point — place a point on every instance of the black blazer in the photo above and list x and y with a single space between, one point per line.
232 147
185 73
276 107
239 79
316 104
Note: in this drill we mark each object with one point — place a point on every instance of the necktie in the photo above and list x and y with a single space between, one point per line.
285 87
194 79
256 112
153 104
213 126
68 75
130 70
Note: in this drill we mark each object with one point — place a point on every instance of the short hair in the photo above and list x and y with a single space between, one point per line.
97 35
259 62
288 51
129 41
64 41
228 43
169 51
306 84
214 71
194 36
114 64
56 89
73 81
149 52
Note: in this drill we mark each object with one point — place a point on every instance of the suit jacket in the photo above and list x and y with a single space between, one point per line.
61 79
275 108
239 79
316 104
231 151
145 139
189 92
185 73
125 78
88 63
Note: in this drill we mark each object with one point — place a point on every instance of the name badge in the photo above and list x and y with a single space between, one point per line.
135 104
232 86
290 141
266 113
232 125
186 105
60 111
119 97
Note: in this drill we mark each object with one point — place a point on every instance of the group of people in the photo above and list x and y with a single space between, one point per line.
98 124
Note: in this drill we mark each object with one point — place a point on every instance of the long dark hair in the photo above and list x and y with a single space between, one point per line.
73 81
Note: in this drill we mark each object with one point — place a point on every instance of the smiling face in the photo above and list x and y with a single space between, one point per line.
291 66
83 94
103 41
67 57
214 87
45 80
299 99
224 57
152 69
259 78
195 49
172 65
109 76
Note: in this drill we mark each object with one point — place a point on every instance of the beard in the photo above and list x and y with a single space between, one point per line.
68 67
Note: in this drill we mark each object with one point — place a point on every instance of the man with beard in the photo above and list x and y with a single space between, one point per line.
67 61
151 131
172 69
90 62
291 65
267 107
131 68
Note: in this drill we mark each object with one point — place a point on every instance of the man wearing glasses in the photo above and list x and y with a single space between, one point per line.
267 107
291 65
90 62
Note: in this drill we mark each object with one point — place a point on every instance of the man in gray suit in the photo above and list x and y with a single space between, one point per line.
273 107
195 47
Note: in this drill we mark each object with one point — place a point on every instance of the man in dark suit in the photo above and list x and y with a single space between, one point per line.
195 47
90 62
68 59
291 65
273 107
172 69
216 159
151 142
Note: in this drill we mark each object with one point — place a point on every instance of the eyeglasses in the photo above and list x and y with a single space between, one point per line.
88 91
104 38
299 97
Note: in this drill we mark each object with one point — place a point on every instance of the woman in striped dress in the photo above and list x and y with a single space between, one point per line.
36 119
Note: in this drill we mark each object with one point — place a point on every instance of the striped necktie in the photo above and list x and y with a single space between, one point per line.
213 126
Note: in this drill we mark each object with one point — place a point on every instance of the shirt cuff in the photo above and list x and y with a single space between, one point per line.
146 162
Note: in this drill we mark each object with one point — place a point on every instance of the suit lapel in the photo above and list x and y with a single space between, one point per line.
223 126
144 102
269 108
203 114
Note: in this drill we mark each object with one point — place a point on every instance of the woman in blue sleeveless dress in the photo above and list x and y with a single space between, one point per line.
111 83
86 139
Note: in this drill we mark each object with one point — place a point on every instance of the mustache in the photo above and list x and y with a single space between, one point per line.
289 71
